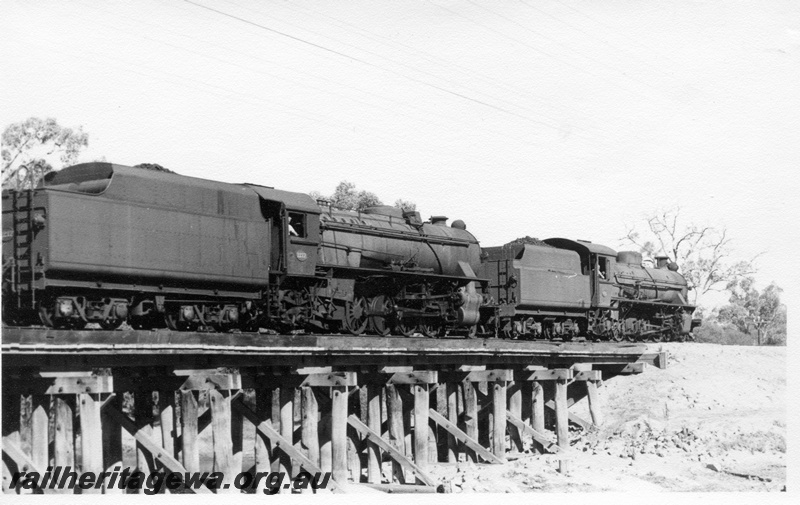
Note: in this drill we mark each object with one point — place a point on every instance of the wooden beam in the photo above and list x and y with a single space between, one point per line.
595 410
464 438
537 435
61 385
23 462
310 423
415 377
499 409
286 429
493 375
628 369
212 380
452 416
397 430
339 433
189 430
332 379
374 420
148 443
91 437
470 414
166 415
421 408
276 438
64 439
396 455
220 405
543 375
515 407
562 428
537 413
587 375
40 424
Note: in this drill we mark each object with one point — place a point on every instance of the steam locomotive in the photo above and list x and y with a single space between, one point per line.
560 289
108 244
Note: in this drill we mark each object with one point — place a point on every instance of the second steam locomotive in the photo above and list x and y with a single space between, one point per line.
109 244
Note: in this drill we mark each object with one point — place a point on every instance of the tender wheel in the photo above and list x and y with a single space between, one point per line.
356 319
382 308
47 313
174 324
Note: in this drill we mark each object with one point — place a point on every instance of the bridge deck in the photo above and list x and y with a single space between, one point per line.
34 347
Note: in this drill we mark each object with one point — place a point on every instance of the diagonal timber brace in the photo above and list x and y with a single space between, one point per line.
362 428
463 437
524 428
286 446
24 463
148 443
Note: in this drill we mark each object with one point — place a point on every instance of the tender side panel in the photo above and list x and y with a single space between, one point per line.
551 277
92 234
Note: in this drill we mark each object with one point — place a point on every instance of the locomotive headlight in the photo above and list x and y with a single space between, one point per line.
187 312
65 307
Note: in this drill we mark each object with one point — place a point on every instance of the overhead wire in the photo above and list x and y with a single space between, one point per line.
532 47
159 76
463 70
368 63
425 118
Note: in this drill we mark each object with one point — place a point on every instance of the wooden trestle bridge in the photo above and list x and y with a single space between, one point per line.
372 411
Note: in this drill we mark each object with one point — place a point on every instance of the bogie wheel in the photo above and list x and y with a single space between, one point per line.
111 323
382 308
617 335
404 328
355 318
429 330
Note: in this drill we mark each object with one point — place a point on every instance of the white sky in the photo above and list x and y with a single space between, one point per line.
534 117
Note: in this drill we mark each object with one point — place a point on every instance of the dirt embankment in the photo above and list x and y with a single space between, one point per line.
714 420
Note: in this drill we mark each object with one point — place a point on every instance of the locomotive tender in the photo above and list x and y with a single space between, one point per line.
104 243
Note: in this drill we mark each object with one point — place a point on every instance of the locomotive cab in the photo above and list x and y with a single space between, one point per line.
598 262
294 227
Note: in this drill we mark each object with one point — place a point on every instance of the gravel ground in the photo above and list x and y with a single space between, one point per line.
714 420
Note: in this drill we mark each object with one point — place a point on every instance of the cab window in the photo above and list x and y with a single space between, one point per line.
297 224
602 267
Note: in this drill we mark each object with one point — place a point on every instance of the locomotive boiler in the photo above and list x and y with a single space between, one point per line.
561 289
108 244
